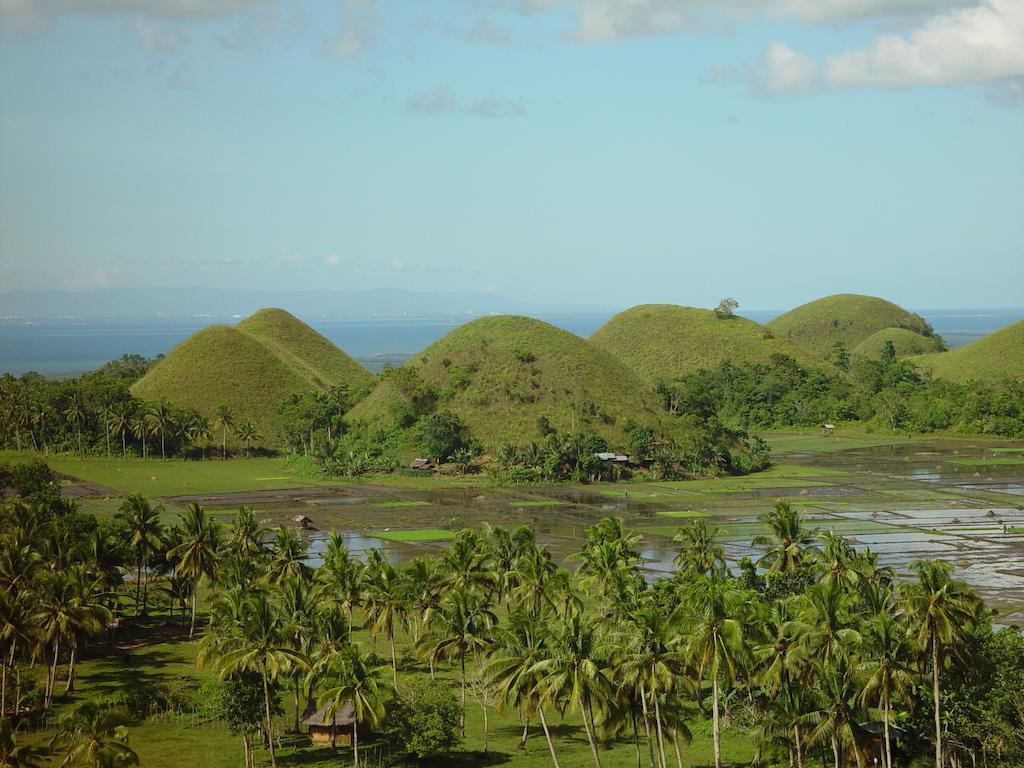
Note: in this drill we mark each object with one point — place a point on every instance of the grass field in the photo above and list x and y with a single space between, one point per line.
663 341
904 341
423 534
175 477
989 462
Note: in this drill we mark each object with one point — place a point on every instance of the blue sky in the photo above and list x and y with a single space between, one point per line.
611 151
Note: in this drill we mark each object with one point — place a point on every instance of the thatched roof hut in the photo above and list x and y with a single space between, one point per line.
326 730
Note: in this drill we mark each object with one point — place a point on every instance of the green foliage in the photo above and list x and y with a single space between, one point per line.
845 317
423 720
238 701
442 435
904 341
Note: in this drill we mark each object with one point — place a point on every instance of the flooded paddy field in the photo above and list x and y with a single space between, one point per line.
955 500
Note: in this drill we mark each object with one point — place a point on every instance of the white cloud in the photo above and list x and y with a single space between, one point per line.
603 20
35 13
970 45
334 260
159 39
443 101
358 29
783 69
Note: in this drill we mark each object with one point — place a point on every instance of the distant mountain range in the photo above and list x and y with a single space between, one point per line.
214 302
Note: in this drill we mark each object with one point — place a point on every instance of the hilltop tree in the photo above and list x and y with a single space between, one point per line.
726 308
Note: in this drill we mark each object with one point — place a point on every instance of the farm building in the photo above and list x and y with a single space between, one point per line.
330 730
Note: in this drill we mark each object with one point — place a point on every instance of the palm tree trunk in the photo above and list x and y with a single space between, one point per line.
716 735
935 701
138 584
547 735
835 752
462 719
885 727
394 672
270 722
526 731
799 746
163 453
661 738
355 741
124 444
679 752
483 706
69 687
3 686
51 675
647 723
246 748
192 627
584 710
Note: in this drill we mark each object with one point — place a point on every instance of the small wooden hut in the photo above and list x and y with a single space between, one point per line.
335 730
302 521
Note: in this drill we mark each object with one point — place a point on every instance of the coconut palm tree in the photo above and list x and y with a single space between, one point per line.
246 537
161 419
14 755
120 424
287 553
940 611
463 625
789 542
698 550
355 679
247 432
257 638
512 669
652 663
838 713
887 670
340 578
145 537
95 737
387 608
226 420
200 431
716 643
76 413
198 553
573 675
140 427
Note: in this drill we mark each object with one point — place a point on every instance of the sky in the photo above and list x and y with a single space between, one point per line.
589 151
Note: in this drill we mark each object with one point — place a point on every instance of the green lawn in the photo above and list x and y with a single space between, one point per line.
422 534
815 442
176 477
683 513
539 503
988 462
400 504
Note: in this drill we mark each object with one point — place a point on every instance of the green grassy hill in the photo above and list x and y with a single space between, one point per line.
663 341
906 342
845 317
252 368
305 349
500 374
996 356
221 365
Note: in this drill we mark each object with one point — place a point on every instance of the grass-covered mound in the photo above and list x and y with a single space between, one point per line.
847 318
252 368
305 349
499 375
905 342
664 341
999 355
221 365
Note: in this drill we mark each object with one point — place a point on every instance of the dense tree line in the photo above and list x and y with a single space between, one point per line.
887 393
816 648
